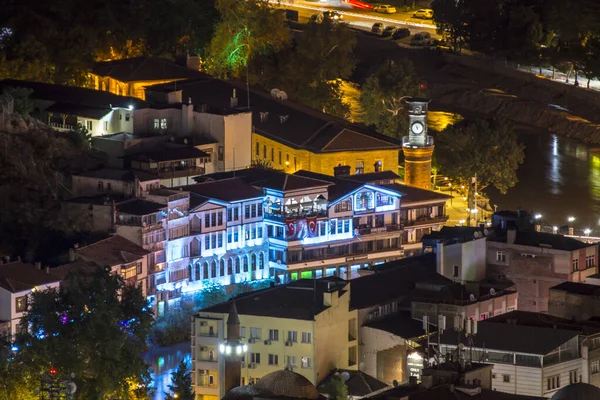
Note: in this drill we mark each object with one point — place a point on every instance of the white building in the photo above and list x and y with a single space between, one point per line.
17 281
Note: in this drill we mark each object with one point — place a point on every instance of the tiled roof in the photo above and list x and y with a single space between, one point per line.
296 300
18 276
232 189
513 338
143 69
284 121
140 207
396 279
359 383
411 194
167 154
126 175
73 95
546 240
114 250
373 177
268 179
400 324
584 289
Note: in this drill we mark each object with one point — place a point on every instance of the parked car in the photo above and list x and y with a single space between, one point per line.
333 16
424 13
377 28
421 39
401 33
385 9
388 31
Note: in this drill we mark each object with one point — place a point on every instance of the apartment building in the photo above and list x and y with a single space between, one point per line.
537 261
17 281
307 326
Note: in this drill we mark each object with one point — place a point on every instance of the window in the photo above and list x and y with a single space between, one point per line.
272 154
259 209
213 219
574 376
259 232
306 337
576 265
100 186
501 256
306 362
273 359
247 211
213 240
108 186
345 205
292 361
506 378
279 157
253 210
220 240
265 151
590 261
292 336
211 380
207 221
455 271
595 367
220 218
229 215
253 233
360 167
242 331
274 334
106 125
255 357
255 333
21 303
221 154
127 117
257 149
207 242
236 236
236 214
229 237
88 125
163 123
553 382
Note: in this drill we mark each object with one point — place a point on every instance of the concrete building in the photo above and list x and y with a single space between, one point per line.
573 300
288 136
130 76
64 107
306 326
112 181
537 261
17 281
460 252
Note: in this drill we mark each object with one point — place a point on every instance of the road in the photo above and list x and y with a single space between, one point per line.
361 19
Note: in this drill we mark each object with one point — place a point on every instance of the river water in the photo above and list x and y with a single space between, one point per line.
163 361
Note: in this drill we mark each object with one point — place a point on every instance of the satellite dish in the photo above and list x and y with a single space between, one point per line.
275 92
395 383
71 387
486 232
472 297
282 95
492 291
345 376
361 366
461 346
477 234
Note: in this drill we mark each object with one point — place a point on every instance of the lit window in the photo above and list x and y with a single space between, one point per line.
156 124
306 362
306 337
501 256
163 123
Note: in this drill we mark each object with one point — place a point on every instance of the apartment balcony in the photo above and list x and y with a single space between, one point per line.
279 217
165 173
366 230
426 221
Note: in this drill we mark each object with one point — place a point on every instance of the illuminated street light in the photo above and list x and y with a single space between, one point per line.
571 219
537 216
587 231
554 229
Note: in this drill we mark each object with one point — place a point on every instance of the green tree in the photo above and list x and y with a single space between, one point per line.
181 387
450 17
382 97
248 29
310 70
94 326
23 105
488 149
590 66
337 388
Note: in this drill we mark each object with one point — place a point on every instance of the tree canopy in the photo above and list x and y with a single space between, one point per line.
382 97
93 327
181 384
486 148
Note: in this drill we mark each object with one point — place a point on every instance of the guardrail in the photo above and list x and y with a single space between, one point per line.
356 15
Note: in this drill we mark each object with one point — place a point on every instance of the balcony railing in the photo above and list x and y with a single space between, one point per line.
365 230
293 216
416 142
178 173
425 220
62 127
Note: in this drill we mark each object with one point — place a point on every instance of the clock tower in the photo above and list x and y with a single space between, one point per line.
417 146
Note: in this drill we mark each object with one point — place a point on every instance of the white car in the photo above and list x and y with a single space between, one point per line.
424 13
385 9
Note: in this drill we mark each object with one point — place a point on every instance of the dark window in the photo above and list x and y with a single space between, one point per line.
257 149
247 211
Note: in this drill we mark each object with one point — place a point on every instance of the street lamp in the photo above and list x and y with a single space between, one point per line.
537 216
555 229
571 219
587 231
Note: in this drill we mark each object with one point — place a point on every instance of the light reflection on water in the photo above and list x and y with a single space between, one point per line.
163 361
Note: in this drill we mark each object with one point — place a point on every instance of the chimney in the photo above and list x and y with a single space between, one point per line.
341 170
233 101
71 255
511 235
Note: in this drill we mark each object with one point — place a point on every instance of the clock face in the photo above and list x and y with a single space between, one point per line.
417 127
